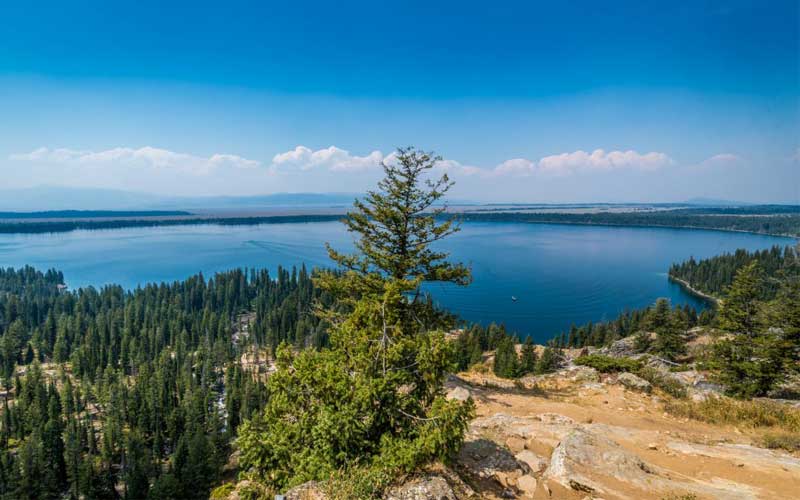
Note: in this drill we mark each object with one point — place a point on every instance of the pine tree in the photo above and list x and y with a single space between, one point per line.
548 362
669 342
739 312
528 357
752 362
376 395
506 362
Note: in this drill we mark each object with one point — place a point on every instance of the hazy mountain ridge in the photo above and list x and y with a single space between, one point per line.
45 198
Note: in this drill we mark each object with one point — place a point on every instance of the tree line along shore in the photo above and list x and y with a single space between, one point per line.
770 220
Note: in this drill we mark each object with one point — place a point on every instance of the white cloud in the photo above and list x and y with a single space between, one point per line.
516 167
720 160
599 160
146 156
332 158
565 163
156 170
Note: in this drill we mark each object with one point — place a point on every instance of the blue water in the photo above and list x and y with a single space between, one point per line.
560 274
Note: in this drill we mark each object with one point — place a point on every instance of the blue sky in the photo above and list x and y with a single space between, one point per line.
550 102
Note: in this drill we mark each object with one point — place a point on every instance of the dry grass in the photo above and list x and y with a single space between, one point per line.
788 441
752 413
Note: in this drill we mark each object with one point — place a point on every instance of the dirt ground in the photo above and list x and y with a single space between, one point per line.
681 457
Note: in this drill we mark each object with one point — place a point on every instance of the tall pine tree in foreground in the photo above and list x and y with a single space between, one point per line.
372 405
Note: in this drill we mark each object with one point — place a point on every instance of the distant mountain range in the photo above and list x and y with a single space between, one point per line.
67 198
45 198
711 202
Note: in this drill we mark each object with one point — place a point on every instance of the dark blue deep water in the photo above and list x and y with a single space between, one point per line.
560 274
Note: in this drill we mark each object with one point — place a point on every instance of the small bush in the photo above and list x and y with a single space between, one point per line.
781 440
662 381
608 364
752 413
222 492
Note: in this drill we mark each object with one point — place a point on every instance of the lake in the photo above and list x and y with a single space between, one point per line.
560 274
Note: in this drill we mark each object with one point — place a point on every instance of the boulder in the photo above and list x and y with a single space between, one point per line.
459 394
634 383
484 459
527 485
536 463
428 487
624 347
584 374
306 491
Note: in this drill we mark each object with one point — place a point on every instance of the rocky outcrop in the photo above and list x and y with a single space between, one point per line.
624 347
485 459
587 461
634 383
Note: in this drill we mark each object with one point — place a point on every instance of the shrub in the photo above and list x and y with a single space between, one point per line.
223 491
608 364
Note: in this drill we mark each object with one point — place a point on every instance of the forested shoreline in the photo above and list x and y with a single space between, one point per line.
76 225
770 220
776 225
714 275
85 214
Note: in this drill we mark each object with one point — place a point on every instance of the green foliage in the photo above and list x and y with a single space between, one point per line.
147 371
634 322
740 310
642 342
668 325
223 491
755 359
506 361
374 400
528 357
471 344
608 364
549 361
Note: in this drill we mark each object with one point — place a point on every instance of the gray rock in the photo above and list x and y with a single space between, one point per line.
428 487
624 347
634 383
584 374
484 459
306 491
459 394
